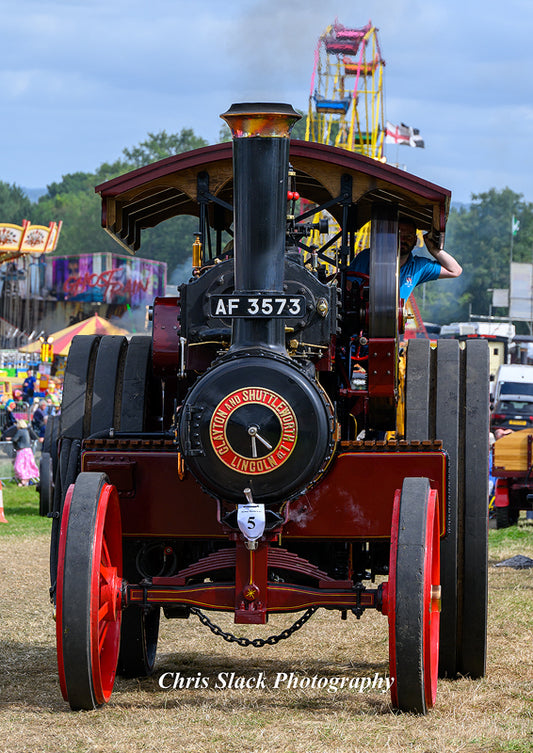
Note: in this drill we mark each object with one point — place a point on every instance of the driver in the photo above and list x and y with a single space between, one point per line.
414 269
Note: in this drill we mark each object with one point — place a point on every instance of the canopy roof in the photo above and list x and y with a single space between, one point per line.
149 195
62 339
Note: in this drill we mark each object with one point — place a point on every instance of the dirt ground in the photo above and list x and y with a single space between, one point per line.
493 714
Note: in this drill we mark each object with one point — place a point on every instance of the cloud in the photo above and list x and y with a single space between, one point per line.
83 79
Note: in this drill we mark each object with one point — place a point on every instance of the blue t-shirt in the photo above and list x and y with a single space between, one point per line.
415 271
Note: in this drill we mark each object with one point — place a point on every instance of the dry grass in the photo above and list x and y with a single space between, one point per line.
494 714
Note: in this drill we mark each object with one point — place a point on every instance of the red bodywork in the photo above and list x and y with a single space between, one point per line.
353 501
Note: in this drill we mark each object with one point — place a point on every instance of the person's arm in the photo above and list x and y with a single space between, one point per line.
450 267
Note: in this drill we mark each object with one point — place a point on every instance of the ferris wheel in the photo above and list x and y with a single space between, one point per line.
346 107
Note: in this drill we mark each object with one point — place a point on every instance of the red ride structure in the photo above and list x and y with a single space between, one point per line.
262 452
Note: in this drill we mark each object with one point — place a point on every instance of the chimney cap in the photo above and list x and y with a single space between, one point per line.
267 119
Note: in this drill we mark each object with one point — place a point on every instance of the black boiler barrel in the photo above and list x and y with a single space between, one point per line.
261 139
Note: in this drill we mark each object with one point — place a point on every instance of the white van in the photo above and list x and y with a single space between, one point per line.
514 380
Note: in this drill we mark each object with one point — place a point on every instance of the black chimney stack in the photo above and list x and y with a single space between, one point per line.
261 136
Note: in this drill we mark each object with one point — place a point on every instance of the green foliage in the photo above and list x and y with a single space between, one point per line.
80 213
74 201
15 206
479 236
298 130
161 145
71 183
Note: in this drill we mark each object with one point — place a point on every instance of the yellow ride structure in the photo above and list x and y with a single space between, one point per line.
346 98
346 109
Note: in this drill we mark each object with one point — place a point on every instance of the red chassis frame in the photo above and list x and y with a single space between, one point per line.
158 499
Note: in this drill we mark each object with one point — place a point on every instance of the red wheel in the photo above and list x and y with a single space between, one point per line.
414 597
89 592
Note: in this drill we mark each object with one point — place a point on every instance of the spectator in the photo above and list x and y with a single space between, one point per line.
39 418
26 470
10 420
28 388
53 398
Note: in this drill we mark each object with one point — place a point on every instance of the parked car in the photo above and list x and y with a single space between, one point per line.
512 414
513 381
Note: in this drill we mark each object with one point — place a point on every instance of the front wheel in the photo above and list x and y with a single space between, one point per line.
89 592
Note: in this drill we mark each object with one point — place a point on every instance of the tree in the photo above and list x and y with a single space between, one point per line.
479 236
15 206
74 201
161 145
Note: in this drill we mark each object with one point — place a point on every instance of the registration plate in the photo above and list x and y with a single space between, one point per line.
258 306
517 423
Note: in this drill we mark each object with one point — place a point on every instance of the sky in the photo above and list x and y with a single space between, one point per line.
81 80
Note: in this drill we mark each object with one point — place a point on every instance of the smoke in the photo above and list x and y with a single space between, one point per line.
135 321
182 273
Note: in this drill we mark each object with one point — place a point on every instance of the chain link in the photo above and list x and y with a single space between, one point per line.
255 642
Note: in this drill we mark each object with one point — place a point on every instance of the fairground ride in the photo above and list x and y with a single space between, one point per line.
346 98
346 109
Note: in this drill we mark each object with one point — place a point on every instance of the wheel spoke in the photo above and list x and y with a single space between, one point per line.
106 559
104 609
107 573
103 633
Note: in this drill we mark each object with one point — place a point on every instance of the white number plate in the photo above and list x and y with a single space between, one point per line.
258 306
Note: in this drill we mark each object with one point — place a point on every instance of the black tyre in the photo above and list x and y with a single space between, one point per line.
67 471
46 484
432 411
135 399
447 398
138 641
473 559
65 432
78 386
140 628
107 384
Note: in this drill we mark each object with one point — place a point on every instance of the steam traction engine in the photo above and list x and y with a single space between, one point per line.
267 450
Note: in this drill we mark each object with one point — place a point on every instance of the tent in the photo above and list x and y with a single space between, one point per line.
62 339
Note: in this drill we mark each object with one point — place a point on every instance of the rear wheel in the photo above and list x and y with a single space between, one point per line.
89 591
46 484
107 384
447 398
140 408
138 641
473 558
51 436
67 430
140 628
91 402
414 597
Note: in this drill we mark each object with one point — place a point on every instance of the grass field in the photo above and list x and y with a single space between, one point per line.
493 714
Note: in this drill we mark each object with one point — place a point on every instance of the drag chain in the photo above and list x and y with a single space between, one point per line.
256 642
